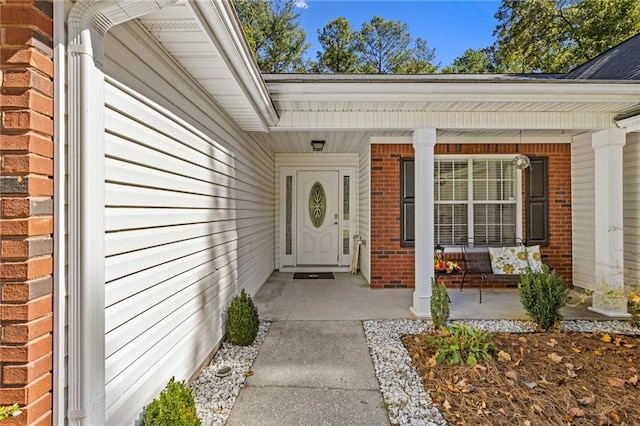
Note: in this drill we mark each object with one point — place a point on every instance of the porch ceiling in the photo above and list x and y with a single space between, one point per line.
344 141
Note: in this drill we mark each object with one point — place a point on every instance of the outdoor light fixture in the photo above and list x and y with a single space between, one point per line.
317 146
521 161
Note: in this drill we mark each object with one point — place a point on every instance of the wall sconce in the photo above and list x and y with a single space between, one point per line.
317 146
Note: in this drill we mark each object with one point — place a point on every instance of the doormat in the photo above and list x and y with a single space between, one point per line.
313 276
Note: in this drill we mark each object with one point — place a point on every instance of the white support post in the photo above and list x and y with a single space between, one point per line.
424 141
88 22
609 236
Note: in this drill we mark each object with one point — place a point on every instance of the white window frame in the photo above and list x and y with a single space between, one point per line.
470 201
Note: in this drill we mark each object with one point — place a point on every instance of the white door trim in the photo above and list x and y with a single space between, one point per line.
287 261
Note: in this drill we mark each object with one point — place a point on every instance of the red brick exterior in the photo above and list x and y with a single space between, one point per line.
26 209
393 265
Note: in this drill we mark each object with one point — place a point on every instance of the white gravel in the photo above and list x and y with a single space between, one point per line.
402 389
214 395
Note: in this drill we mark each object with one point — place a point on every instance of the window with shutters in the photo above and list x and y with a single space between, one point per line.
475 199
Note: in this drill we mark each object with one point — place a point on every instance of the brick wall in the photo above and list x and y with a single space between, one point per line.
393 265
26 209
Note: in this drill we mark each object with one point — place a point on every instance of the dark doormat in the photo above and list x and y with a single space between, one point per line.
313 276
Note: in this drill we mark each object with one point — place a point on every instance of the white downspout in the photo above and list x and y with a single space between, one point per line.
88 23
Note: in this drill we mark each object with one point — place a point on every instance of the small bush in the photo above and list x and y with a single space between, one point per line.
242 320
175 406
439 304
542 294
460 343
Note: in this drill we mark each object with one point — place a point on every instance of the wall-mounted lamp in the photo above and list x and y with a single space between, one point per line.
317 146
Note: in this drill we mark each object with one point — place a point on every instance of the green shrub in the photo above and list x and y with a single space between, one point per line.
175 406
439 304
242 320
460 343
542 294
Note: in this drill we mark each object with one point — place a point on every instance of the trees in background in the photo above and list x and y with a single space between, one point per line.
473 61
273 31
550 36
337 55
555 36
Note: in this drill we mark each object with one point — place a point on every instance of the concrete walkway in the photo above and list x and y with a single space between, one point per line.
311 373
314 366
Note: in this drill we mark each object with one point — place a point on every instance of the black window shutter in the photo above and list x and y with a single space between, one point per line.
407 200
537 201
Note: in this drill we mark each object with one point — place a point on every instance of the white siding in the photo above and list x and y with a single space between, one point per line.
365 210
632 208
302 161
189 221
583 210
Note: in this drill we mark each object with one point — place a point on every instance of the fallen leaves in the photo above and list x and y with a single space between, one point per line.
503 356
587 400
555 357
575 412
617 382
539 379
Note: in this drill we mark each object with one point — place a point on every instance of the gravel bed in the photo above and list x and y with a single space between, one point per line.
407 402
215 395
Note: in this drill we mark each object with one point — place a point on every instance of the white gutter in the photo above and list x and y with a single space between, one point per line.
88 23
220 22
630 124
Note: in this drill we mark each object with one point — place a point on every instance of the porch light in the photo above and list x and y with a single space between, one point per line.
317 146
521 162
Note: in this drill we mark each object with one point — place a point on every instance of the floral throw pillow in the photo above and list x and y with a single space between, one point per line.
534 258
508 260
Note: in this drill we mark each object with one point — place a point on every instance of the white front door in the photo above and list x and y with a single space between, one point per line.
317 217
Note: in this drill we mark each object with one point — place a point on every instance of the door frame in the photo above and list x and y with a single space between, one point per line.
287 262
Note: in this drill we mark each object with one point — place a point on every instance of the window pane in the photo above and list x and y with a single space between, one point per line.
461 190
288 214
479 169
494 223
446 190
345 214
479 189
450 227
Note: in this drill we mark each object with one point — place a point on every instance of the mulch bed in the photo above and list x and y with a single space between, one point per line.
553 378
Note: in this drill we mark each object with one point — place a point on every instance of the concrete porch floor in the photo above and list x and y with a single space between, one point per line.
349 297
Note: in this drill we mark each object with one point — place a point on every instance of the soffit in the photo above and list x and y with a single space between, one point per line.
184 37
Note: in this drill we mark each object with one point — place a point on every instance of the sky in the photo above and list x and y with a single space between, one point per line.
449 26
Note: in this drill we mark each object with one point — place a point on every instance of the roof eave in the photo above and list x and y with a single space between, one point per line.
219 20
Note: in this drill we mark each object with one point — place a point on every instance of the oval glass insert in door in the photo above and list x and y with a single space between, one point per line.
317 204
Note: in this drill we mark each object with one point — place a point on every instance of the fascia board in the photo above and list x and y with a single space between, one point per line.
219 21
479 92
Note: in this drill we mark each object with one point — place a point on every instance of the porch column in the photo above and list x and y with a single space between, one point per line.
609 248
424 141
